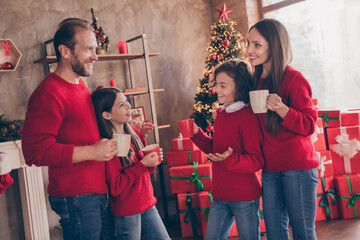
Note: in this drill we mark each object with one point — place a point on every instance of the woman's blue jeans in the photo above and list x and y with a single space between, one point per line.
290 195
148 222
222 215
84 216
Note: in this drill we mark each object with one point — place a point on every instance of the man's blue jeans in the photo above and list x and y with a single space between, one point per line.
148 222
222 215
290 195
84 217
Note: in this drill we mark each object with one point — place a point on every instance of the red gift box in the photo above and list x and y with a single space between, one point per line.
331 118
180 158
181 144
205 200
315 103
327 207
348 194
318 137
350 118
261 215
190 178
344 146
325 169
189 213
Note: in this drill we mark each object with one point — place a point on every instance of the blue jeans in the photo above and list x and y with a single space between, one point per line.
222 215
84 216
290 195
148 222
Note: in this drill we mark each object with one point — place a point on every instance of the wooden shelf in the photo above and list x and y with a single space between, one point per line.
16 55
103 57
142 91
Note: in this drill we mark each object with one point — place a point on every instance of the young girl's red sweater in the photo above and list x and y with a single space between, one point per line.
131 190
235 178
291 148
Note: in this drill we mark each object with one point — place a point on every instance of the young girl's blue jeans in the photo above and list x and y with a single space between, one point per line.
148 222
222 215
290 195
84 216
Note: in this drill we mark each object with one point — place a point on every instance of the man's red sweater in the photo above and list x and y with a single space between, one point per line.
291 148
235 178
60 116
131 190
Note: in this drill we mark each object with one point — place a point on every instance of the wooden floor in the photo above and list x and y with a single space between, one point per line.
325 230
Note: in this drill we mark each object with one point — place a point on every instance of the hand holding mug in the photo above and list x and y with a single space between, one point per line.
275 104
150 160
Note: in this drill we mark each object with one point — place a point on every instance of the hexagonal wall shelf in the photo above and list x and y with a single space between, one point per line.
14 58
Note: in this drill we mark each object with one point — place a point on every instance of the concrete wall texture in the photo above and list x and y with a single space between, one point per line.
178 29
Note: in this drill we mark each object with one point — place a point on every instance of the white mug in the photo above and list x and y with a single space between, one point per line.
123 144
258 100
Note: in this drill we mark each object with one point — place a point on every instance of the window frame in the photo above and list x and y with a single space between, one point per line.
273 7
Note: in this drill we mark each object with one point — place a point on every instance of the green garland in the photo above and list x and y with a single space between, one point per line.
10 130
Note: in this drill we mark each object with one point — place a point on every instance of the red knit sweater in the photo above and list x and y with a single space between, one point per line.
60 116
291 148
131 190
235 178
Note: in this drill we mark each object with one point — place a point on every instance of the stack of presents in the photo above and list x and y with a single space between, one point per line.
336 142
190 179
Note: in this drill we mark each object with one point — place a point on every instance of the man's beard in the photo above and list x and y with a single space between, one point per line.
79 68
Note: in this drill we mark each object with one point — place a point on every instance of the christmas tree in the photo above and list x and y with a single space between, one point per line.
226 43
101 39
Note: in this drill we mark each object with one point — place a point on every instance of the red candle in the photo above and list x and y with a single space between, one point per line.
122 47
112 83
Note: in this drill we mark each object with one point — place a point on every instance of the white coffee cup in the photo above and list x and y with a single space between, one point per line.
123 144
258 100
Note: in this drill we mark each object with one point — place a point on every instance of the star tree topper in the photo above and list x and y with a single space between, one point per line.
224 13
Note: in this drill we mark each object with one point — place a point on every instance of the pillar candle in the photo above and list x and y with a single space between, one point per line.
112 83
122 47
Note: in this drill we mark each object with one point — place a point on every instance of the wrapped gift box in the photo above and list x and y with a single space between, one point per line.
190 178
315 103
325 168
205 200
344 146
331 118
327 207
318 137
348 194
261 215
182 144
189 212
180 158
350 118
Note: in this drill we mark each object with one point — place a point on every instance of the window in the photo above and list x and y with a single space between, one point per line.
325 36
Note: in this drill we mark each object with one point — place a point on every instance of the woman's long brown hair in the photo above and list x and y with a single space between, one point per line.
280 55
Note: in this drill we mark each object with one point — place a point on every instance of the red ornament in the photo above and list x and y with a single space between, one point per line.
224 13
209 128
228 34
213 57
221 56
7 66
212 91
225 43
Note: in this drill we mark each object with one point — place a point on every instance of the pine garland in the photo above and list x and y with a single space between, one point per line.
10 130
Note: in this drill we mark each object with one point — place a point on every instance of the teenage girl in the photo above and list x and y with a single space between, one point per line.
132 201
290 177
235 151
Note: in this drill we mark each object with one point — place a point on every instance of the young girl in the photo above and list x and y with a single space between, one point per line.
236 153
131 194
290 177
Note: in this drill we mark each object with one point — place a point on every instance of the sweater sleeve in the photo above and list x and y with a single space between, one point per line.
301 117
43 120
251 160
203 141
120 180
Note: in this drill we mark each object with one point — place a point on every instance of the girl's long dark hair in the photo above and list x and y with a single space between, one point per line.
280 55
240 72
103 100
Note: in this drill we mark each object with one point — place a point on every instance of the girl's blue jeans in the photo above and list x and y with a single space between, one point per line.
222 215
148 222
290 196
84 216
